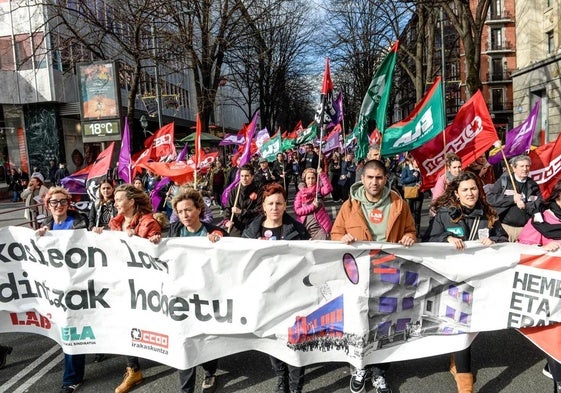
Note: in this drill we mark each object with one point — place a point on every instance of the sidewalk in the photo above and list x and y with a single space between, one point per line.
11 213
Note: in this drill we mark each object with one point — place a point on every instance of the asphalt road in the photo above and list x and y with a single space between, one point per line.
503 361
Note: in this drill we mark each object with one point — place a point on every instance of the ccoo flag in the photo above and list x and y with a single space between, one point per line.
373 110
424 123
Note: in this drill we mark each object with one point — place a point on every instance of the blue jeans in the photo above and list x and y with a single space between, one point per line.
74 366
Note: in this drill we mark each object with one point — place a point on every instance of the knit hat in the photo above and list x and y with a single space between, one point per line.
38 176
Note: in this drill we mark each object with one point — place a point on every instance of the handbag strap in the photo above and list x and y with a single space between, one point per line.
474 228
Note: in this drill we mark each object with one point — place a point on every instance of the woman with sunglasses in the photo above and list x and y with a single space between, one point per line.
57 201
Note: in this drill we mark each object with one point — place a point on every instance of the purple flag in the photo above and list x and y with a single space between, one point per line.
124 165
333 140
338 108
519 139
244 158
231 139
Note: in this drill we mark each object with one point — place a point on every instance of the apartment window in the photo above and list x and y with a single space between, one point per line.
496 39
498 99
7 62
550 42
496 8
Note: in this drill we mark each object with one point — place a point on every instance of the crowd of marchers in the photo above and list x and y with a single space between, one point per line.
378 199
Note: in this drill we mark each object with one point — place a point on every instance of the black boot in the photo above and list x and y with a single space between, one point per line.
4 352
281 385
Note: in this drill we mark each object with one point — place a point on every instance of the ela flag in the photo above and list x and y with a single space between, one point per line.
99 170
519 139
261 137
373 110
271 148
424 123
546 165
125 165
470 135
244 157
308 134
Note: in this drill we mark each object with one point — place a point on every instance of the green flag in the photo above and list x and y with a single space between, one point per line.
424 123
271 147
287 144
308 134
375 102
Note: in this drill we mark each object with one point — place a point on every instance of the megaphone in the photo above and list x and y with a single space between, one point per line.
348 269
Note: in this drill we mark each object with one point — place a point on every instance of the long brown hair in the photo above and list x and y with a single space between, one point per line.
449 198
142 204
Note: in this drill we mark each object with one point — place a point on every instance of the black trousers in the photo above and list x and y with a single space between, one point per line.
295 375
187 378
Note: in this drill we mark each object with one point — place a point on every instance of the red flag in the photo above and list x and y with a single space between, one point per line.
327 84
545 169
470 135
159 146
102 163
198 150
375 137
177 171
296 131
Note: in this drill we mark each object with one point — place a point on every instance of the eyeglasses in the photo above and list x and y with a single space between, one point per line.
55 203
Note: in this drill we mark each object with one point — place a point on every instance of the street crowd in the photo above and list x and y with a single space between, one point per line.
379 200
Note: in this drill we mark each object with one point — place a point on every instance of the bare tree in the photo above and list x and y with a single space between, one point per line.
358 38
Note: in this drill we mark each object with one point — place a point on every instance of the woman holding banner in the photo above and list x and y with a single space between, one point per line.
463 214
57 201
102 210
544 229
275 224
134 216
189 207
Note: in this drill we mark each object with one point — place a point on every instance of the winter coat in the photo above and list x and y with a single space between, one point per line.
530 234
444 226
249 201
291 229
79 221
144 226
303 203
351 220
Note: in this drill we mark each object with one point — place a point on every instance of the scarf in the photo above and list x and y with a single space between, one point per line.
550 231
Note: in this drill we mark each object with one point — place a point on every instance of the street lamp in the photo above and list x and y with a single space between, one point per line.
156 72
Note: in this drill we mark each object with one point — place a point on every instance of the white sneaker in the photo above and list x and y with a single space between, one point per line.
358 380
379 383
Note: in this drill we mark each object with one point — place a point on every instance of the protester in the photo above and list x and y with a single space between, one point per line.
411 177
482 168
217 180
134 216
57 201
309 159
103 209
244 203
275 224
264 174
348 175
137 182
309 206
189 207
463 214
295 169
373 213
61 173
515 203
452 170
334 173
283 169
53 167
33 196
544 229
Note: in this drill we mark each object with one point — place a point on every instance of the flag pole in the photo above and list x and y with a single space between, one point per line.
235 203
508 170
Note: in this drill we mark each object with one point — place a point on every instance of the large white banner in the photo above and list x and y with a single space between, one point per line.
186 300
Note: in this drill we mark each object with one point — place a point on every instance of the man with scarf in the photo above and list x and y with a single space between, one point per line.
544 229
515 203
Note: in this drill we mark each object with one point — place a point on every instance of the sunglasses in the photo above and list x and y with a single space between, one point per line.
55 203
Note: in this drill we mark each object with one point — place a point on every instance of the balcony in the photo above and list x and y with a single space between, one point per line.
502 16
498 77
500 106
499 47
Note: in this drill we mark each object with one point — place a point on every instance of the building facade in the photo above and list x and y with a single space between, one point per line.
538 72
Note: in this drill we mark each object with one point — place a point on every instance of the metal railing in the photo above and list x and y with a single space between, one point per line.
10 216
